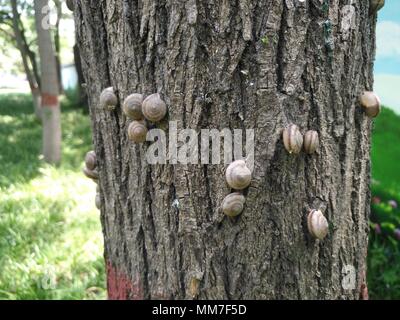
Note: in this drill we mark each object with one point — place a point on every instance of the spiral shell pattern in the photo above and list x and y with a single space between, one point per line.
238 175
154 108
108 99
91 160
137 131
132 106
233 204
91 174
317 224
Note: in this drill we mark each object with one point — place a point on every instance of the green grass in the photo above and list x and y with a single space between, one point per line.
386 149
50 235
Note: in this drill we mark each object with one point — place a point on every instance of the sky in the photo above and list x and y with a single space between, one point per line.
387 64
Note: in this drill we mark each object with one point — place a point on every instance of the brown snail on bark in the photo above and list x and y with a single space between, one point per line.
91 160
154 108
317 224
133 106
97 201
311 141
233 204
292 139
91 174
238 175
137 131
371 103
108 99
375 6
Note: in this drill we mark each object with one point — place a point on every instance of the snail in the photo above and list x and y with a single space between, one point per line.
91 160
292 139
97 201
375 6
371 103
317 224
311 141
137 131
133 106
238 175
233 204
91 174
154 109
108 99
70 5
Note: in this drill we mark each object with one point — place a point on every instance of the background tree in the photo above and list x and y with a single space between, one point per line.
50 106
225 64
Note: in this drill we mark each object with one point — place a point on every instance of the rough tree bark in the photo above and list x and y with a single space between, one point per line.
233 64
50 105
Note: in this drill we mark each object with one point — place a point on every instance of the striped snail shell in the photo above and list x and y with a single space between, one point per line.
317 224
371 103
238 175
91 174
292 139
108 99
233 204
137 131
133 106
91 160
311 141
154 108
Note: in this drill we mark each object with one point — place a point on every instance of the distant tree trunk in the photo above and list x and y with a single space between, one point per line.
25 52
83 98
49 87
234 64
57 45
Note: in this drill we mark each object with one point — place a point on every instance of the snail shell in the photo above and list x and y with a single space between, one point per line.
97 201
292 139
233 204
311 141
137 131
375 6
108 99
238 175
91 174
371 103
70 4
154 109
317 224
91 160
133 106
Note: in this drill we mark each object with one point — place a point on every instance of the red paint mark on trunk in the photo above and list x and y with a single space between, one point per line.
121 287
49 100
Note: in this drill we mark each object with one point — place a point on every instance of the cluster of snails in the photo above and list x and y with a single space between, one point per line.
294 140
138 109
153 109
238 177
90 171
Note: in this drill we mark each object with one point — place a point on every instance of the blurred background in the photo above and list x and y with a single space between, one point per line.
50 234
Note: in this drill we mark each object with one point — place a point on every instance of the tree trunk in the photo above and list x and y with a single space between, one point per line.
51 117
233 64
24 51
